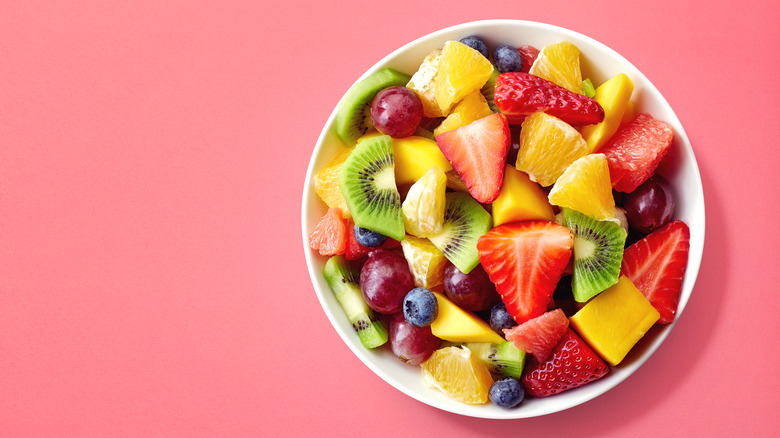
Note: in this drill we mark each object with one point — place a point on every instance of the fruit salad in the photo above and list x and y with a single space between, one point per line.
495 220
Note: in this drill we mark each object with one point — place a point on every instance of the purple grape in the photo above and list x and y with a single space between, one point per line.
473 291
650 206
412 345
385 280
396 111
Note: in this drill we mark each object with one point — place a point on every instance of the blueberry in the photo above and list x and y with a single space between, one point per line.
476 44
420 307
506 392
507 59
500 319
368 238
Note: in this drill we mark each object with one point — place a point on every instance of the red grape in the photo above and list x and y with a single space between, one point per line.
396 111
473 291
385 279
413 345
650 206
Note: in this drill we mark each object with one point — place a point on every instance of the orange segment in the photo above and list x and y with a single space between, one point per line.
472 107
425 261
459 374
326 182
462 70
547 146
423 208
585 186
560 63
422 83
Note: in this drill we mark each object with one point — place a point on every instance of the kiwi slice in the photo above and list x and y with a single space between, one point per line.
598 253
504 358
489 91
353 117
344 280
465 221
367 181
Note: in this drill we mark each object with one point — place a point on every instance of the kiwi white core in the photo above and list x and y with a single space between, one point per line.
584 248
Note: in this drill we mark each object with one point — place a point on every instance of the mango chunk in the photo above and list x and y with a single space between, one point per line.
615 320
457 325
613 96
520 199
414 156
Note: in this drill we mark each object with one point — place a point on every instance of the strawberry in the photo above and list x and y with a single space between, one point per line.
330 235
656 265
529 54
525 260
572 363
355 251
520 94
540 335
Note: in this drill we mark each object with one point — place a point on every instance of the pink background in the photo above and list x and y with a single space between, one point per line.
152 157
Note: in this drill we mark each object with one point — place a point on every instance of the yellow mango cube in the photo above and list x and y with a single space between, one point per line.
613 96
414 156
615 320
520 199
457 325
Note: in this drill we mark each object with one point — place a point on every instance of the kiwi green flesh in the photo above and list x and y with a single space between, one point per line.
598 253
343 278
367 181
465 221
489 91
504 358
353 117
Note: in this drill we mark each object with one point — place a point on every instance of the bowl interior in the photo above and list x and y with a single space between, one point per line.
598 63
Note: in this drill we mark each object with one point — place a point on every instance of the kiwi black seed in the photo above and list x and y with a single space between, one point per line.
367 181
343 278
353 117
598 253
503 358
465 221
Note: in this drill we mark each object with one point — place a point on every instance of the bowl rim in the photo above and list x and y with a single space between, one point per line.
695 254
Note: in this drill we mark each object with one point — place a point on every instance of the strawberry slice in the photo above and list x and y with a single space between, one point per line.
529 54
520 94
656 265
525 260
330 235
540 335
477 152
572 363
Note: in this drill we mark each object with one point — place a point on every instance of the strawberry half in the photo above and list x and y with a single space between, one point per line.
520 94
477 152
540 335
656 265
572 363
525 260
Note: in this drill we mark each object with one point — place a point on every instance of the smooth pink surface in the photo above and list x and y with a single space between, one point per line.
152 157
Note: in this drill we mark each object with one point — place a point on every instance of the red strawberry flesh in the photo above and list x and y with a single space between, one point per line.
540 335
656 265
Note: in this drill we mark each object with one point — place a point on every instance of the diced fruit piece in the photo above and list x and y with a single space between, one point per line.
507 59
529 54
326 182
651 205
587 88
598 252
571 364
422 83
464 222
353 117
585 186
525 260
457 373
472 107
462 70
426 262
330 235
656 266
538 336
503 358
411 344
454 182
367 181
396 111
473 291
356 251
489 90
635 151
559 63
477 152
520 199
506 392
423 208
615 320
343 279
457 325
420 307
613 96
414 156
521 94
477 44
385 280
548 145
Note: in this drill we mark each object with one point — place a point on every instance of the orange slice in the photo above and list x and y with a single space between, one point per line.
461 71
560 63
585 186
547 146
455 372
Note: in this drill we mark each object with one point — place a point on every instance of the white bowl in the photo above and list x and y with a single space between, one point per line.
599 63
